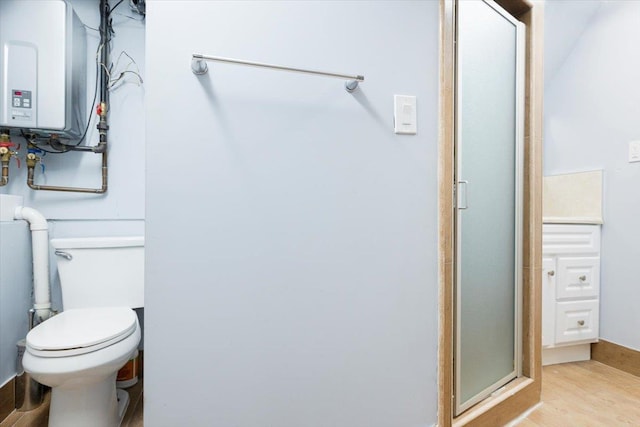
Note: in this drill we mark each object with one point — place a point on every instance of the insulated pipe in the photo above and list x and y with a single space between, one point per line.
40 248
105 38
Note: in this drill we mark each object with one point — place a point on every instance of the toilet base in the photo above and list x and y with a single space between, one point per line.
81 405
123 403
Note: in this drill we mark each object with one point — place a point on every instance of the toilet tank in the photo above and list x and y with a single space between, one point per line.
100 271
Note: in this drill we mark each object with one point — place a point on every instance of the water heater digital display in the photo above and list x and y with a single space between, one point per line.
42 67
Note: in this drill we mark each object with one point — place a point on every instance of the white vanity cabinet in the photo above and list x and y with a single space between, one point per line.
570 291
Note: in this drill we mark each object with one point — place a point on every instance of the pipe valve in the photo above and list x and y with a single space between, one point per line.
32 160
6 153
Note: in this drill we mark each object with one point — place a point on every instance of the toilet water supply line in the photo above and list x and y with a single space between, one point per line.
40 249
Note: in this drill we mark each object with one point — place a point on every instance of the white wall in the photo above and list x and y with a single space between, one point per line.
121 210
291 235
591 114
564 22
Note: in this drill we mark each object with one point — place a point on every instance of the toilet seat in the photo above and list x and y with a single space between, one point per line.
81 330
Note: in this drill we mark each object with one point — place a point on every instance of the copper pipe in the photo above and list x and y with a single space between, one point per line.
5 173
102 190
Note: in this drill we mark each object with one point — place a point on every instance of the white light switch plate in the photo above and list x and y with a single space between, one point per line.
634 151
404 114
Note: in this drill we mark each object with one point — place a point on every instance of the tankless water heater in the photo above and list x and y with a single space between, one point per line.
42 67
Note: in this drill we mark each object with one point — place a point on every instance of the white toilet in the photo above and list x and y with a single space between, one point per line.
79 351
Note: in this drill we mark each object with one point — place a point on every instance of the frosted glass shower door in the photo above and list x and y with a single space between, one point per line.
489 159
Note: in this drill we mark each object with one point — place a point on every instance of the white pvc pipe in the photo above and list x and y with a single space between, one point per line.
40 249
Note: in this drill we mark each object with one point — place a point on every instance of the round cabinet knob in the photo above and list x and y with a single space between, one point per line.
551 273
581 322
582 278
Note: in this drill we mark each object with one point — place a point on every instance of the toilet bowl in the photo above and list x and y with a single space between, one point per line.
78 354
79 351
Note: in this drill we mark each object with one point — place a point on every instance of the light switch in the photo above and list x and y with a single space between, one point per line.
405 117
634 151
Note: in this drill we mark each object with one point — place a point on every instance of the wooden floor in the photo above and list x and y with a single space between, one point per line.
586 394
40 417
581 394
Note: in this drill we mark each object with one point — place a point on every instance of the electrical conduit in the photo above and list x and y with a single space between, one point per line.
40 248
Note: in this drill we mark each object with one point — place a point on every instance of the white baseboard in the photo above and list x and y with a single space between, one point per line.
571 353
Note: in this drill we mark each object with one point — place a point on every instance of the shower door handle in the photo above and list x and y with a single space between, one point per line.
462 194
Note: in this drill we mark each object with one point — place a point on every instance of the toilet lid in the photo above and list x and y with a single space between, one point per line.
83 328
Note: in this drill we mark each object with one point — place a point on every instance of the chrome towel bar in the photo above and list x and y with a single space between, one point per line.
199 66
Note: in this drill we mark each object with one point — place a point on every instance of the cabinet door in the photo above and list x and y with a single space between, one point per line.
548 300
578 277
576 321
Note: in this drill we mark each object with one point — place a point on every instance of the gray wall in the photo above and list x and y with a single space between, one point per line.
291 235
591 114
15 292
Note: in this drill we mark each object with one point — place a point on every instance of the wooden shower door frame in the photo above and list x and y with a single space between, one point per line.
524 392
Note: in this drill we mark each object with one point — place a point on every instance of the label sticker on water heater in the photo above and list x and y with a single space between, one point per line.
21 98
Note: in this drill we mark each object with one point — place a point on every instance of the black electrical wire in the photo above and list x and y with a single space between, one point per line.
114 7
49 151
33 142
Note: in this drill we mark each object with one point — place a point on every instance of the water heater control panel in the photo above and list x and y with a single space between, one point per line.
21 106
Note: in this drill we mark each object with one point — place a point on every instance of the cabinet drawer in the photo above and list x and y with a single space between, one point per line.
578 277
576 321
570 239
